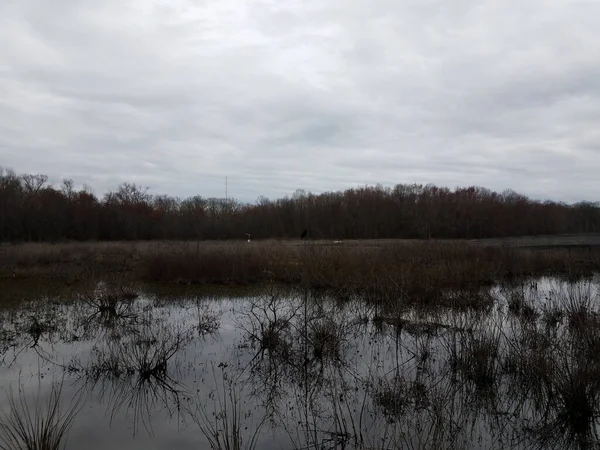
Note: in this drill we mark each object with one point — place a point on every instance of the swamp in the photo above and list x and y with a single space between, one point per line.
278 346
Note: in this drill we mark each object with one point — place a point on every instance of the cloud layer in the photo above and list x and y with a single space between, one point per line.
318 95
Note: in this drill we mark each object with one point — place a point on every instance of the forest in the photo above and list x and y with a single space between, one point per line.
31 209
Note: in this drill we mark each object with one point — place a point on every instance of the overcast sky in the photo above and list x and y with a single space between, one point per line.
312 94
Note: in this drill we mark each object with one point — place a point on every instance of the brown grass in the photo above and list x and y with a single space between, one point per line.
411 271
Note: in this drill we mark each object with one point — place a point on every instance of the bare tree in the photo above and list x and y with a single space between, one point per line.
33 183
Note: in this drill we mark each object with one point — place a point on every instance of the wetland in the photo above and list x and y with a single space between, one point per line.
124 364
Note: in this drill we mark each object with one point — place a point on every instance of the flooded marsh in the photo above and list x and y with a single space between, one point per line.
516 365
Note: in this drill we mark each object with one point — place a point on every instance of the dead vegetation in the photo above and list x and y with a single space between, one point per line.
221 418
451 273
137 373
408 375
208 320
326 336
444 347
145 354
480 358
37 426
110 301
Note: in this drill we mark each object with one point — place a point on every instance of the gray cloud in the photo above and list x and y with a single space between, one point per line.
317 95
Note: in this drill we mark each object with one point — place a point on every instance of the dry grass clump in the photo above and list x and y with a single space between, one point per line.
552 315
581 307
392 396
271 337
577 391
38 426
399 396
270 325
110 307
480 360
35 320
521 302
326 337
209 321
37 328
530 366
108 300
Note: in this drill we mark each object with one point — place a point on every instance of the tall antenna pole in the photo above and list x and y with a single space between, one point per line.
225 189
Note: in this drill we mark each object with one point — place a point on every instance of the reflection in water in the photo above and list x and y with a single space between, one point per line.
137 373
303 371
225 416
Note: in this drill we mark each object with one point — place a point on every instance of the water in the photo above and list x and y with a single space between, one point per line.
299 371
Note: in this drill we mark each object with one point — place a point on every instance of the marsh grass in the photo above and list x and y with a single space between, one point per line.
520 305
479 357
581 307
145 354
426 274
554 366
138 372
221 264
393 396
566 394
8 340
109 308
577 392
414 271
149 353
326 337
209 321
68 262
37 426
552 315
127 391
457 357
269 323
110 301
35 325
224 419
37 328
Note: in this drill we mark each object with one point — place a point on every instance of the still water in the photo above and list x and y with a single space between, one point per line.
290 370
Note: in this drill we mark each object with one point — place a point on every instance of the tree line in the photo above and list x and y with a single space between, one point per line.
33 210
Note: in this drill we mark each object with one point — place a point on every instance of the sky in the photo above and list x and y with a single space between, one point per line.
320 95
